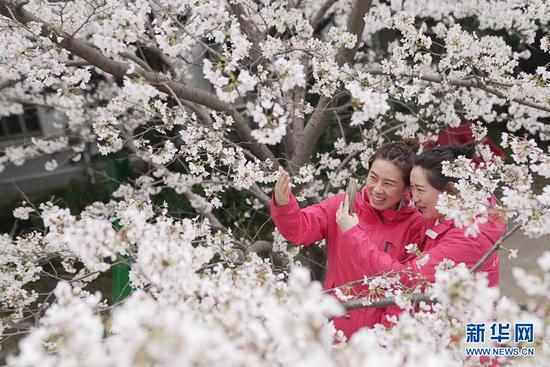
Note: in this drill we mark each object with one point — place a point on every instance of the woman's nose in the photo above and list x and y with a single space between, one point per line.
378 188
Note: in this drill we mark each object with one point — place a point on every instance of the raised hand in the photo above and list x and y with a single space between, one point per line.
343 218
282 188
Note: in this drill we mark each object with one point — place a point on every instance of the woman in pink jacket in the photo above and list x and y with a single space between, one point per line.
441 240
383 215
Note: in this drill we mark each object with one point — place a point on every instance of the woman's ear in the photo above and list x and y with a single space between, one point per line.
450 188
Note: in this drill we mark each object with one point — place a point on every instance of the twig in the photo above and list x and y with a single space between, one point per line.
384 302
495 247
434 78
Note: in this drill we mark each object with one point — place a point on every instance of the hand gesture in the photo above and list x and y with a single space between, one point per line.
282 188
343 218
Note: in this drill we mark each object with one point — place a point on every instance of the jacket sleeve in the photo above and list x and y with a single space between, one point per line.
454 246
304 226
355 237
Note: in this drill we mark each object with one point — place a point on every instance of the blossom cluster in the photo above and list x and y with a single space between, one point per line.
190 308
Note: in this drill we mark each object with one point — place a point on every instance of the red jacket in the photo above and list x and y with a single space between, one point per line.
389 230
444 241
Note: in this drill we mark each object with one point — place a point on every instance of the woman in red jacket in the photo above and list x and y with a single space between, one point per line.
441 240
383 215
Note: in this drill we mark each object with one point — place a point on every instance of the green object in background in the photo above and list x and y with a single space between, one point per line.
121 282
117 170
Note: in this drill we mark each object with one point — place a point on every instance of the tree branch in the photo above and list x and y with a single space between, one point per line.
289 140
252 32
297 121
321 13
383 302
494 248
320 118
77 63
119 69
312 132
356 25
137 60
463 83
163 57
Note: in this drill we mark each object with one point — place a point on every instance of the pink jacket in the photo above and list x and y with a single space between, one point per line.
389 230
444 241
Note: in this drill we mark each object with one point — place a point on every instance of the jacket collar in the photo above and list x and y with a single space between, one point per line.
433 231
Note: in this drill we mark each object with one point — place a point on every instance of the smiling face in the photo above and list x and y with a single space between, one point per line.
424 195
385 185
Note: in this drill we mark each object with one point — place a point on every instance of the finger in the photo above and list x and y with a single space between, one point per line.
286 181
286 191
278 183
281 178
278 189
283 181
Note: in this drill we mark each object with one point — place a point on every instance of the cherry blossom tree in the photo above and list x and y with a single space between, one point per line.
215 96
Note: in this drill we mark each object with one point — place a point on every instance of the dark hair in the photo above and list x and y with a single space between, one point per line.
401 153
431 161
